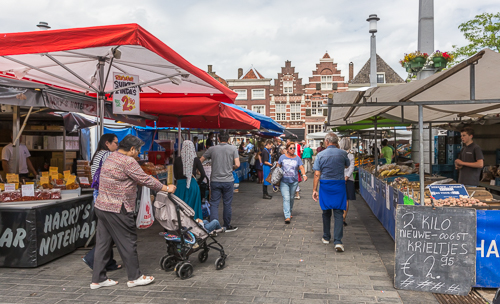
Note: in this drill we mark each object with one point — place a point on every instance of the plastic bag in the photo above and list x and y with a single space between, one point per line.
236 181
145 217
276 176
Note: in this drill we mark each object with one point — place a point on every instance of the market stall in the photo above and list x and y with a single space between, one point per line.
466 92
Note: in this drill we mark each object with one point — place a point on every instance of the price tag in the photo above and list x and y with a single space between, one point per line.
2 187
10 187
45 174
84 180
12 178
66 173
54 175
30 183
44 180
53 169
408 201
28 190
71 180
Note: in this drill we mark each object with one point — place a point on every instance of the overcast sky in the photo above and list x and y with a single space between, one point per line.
230 34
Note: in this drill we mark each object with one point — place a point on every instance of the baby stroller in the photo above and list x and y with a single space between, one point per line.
184 236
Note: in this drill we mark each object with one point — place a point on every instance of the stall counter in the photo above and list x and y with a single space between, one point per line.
37 232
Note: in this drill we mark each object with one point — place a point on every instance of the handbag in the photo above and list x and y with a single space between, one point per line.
145 217
97 174
276 175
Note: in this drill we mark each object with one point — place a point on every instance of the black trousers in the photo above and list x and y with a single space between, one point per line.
120 229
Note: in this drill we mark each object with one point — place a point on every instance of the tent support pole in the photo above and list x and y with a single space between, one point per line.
430 148
472 81
375 150
395 145
421 151
402 114
179 136
101 95
358 147
15 133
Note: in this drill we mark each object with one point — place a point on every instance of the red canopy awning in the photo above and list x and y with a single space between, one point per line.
197 112
68 58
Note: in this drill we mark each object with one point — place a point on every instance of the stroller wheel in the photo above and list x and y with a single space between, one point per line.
161 261
203 256
220 263
168 262
275 189
186 271
178 267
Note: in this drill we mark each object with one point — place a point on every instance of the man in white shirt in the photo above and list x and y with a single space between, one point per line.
25 165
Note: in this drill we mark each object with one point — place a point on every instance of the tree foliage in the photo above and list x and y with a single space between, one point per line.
482 32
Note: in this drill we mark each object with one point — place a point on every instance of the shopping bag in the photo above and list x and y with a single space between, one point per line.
236 181
145 215
268 178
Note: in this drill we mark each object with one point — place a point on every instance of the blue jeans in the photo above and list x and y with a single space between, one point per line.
211 226
338 226
288 193
224 191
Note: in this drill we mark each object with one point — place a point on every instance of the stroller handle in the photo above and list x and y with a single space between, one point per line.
171 198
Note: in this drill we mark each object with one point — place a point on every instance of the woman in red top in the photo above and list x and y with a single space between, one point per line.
114 208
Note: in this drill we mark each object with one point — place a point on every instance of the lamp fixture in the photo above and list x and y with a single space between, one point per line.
373 23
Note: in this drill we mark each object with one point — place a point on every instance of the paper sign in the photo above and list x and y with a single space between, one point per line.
66 174
28 190
53 169
54 175
373 181
408 201
84 180
387 196
30 183
447 191
12 178
44 180
45 174
126 101
10 187
2 187
71 180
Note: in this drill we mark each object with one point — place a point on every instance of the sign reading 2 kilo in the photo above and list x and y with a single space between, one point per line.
126 101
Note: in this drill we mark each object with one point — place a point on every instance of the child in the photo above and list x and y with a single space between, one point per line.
211 226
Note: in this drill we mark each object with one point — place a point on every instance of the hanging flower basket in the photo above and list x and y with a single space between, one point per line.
414 62
440 59
439 62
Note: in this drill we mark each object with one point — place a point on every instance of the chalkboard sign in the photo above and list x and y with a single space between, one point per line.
435 249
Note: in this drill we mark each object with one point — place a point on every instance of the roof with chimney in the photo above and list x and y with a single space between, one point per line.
217 77
363 75
252 74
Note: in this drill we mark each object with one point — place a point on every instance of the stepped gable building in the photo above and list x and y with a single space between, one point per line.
326 79
253 91
386 76
287 100
217 77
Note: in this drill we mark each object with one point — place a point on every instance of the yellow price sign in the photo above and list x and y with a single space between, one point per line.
44 180
71 180
12 178
54 175
66 173
45 174
53 169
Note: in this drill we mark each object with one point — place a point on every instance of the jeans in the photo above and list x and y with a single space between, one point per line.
211 226
288 193
225 191
338 226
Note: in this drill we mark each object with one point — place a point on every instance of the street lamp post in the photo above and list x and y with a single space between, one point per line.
373 49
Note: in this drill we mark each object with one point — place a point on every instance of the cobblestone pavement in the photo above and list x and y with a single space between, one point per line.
268 262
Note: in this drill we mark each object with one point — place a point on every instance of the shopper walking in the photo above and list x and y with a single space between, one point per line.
107 144
266 167
185 169
225 159
290 163
345 144
329 176
114 208
307 158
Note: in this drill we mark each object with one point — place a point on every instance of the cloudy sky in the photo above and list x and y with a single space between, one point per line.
230 34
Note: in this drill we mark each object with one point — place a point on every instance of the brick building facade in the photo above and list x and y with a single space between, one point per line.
253 91
287 102
326 79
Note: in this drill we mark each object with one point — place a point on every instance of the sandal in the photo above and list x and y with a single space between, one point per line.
106 283
143 280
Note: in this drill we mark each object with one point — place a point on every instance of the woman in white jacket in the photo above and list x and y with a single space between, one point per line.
345 144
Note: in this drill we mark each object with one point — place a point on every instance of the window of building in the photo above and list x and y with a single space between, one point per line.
380 77
295 111
280 111
314 129
259 94
243 106
259 109
242 94
287 87
316 108
326 82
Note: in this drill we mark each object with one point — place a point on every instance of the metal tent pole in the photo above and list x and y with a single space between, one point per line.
15 133
101 95
179 135
395 145
430 148
421 151
375 152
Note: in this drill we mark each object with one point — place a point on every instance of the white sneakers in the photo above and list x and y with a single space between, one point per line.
325 241
339 248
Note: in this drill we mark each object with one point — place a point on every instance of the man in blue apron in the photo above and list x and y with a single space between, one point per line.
329 176
266 167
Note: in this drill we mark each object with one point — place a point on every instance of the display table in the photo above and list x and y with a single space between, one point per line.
383 200
36 232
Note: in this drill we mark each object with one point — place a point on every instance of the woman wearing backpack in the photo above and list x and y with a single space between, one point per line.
107 144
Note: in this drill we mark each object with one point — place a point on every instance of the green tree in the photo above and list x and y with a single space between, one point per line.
482 32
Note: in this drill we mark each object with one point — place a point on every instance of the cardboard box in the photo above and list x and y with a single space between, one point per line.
60 154
55 128
59 163
36 127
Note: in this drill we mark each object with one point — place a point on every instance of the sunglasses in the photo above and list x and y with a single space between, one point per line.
292 148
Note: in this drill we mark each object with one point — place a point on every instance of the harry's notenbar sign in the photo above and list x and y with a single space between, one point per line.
126 100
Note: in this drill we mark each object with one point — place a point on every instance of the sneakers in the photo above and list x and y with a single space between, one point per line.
231 228
297 197
339 248
267 196
287 221
325 241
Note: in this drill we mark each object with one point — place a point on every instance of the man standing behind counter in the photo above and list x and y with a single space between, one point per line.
8 164
470 161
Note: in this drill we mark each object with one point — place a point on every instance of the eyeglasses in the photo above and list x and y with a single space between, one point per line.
292 148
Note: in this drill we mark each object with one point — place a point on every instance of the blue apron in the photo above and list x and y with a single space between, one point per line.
332 194
266 169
